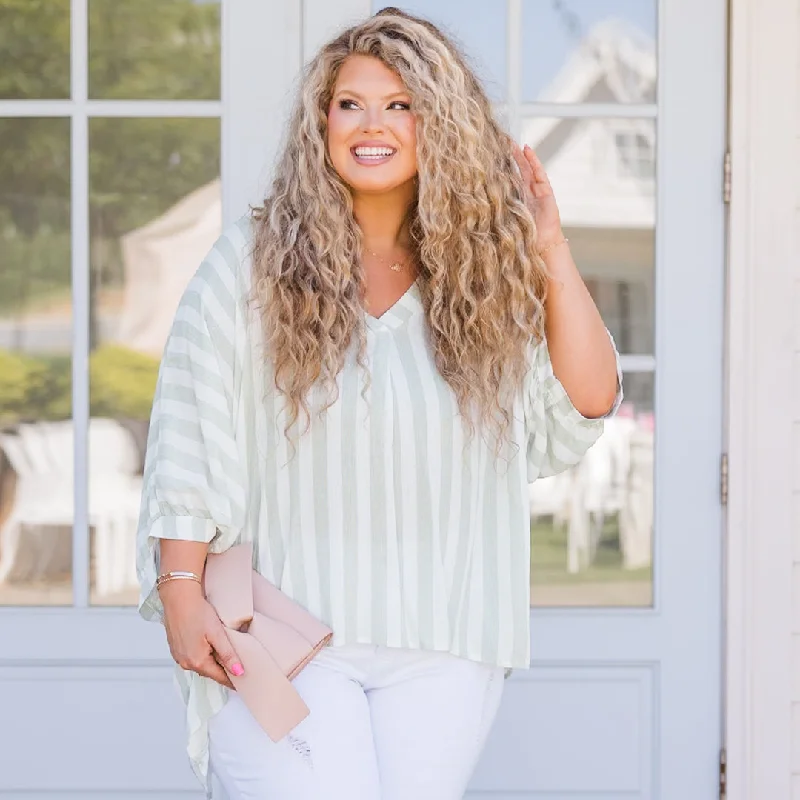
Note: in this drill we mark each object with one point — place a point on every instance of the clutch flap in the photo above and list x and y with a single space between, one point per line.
282 642
228 584
272 602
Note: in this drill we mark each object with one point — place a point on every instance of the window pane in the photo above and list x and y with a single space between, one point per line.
603 175
34 42
477 26
589 51
36 470
154 213
154 50
592 526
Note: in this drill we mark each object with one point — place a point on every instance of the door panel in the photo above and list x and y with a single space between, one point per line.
573 731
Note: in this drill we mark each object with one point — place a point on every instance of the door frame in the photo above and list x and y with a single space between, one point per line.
762 413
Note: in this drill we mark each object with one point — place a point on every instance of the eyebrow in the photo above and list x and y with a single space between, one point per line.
360 97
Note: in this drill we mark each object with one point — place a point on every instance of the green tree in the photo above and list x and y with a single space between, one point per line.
138 49
154 50
34 49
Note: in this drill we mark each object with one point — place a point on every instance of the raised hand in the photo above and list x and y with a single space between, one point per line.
539 197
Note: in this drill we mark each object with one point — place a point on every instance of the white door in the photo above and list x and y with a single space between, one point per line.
117 119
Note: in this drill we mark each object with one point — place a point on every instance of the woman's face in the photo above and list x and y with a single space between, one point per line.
371 129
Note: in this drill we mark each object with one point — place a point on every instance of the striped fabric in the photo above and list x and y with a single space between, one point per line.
382 519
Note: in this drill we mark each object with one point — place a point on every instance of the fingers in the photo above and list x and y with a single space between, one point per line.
524 165
534 176
205 665
223 650
536 167
210 668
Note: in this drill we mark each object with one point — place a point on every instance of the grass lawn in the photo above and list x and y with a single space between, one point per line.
549 558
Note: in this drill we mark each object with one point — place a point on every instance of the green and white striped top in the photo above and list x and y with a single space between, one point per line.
379 524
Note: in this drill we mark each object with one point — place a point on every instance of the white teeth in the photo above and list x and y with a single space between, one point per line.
373 152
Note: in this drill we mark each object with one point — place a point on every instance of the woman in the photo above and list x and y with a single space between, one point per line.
362 378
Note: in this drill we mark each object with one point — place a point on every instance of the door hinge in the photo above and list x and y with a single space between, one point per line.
723 479
723 774
726 178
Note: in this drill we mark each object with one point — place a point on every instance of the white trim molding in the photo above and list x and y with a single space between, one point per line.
261 60
764 46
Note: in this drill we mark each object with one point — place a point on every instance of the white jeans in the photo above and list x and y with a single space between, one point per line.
385 724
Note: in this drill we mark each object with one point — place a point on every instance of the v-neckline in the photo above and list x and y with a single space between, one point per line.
405 307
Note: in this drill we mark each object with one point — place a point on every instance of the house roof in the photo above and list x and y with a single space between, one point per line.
602 169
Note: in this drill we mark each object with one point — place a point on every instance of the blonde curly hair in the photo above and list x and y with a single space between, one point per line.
481 280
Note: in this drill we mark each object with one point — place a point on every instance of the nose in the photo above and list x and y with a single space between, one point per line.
372 120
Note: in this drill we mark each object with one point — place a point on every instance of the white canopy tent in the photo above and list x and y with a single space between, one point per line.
159 260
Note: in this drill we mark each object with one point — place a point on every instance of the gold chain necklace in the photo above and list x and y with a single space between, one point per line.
395 266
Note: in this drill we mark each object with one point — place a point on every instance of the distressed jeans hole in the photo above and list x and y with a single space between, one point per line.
303 749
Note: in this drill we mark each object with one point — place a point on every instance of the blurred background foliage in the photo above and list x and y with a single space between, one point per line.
138 168
39 387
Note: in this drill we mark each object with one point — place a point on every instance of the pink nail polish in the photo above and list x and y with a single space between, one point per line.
237 670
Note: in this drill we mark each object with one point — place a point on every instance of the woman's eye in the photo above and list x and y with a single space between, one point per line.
397 105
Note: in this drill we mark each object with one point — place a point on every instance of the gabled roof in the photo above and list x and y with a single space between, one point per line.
602 169
614 63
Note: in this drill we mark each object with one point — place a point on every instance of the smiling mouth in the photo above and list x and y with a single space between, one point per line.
372 155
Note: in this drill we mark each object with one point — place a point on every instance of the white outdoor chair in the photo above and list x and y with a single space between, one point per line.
41 454
636 517
549 497
30 548
582 497
605 471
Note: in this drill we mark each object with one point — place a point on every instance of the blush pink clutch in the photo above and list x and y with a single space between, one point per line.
274 636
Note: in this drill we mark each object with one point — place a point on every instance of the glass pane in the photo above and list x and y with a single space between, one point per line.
592 526
34 42
36 470
154 50
155 211
477 26
589 51
603 175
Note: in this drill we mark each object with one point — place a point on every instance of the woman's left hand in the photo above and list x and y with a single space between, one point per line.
539 197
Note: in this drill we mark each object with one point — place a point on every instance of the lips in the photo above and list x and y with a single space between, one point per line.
371 155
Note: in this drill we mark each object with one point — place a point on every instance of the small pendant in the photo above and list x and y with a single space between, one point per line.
396 267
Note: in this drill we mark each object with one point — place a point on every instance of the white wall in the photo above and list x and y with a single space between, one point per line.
792 93
794 177
763 587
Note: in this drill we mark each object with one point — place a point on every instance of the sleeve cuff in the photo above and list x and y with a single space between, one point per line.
183 528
